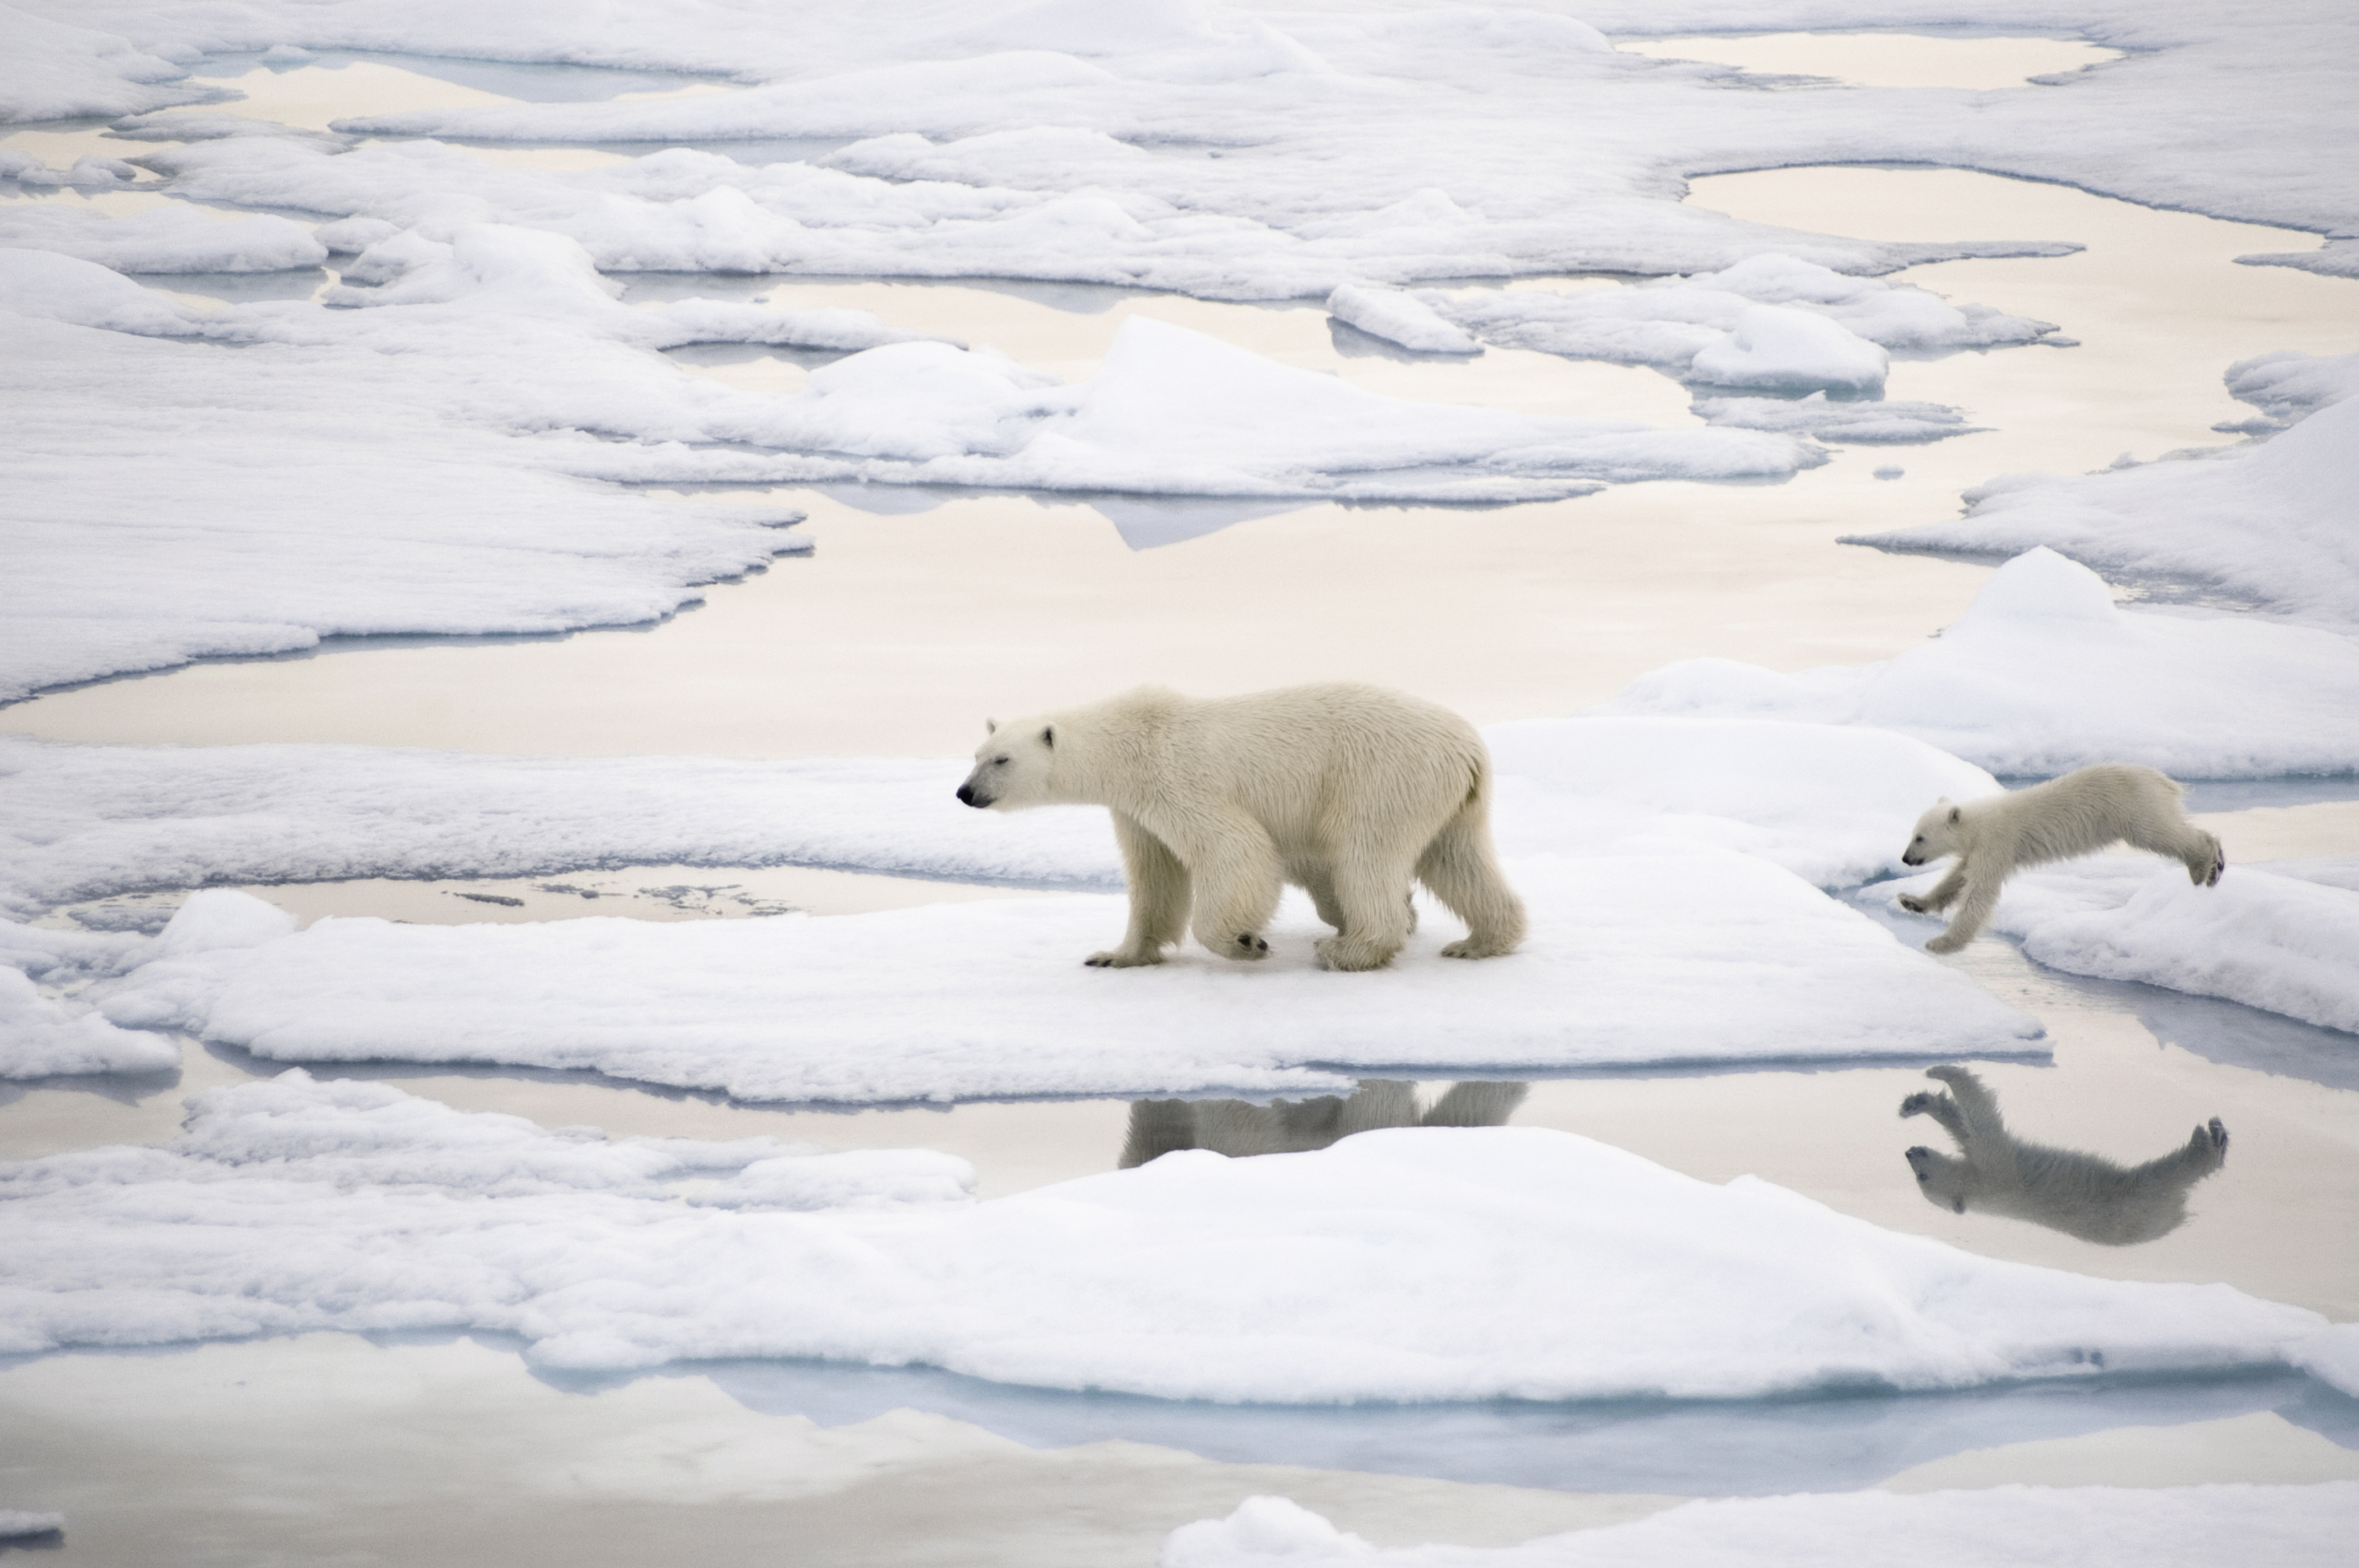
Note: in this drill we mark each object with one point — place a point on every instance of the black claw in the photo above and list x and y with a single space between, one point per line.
2219 1136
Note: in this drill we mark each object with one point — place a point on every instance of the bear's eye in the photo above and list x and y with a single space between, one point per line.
999 762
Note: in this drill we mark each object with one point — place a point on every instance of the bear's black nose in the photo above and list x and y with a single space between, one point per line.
966 794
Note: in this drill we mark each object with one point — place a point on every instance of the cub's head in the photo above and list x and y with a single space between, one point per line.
1935 835
1013 769
1946 1183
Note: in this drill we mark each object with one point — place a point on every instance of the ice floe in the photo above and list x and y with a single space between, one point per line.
1771 322
2045 674
17 1522
2170 1526
174 239
1417 1264
1686 955
2270 522
2286 943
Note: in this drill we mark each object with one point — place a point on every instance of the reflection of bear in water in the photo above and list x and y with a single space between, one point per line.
2082 1195
1290 1127
2085 811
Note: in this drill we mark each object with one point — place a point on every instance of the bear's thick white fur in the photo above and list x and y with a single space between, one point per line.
2082 1194
1350 792
2086 810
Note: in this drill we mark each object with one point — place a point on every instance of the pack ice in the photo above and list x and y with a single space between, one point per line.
2044 673
1417 1264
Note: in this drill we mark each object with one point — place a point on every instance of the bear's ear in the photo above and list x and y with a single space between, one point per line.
1953 814
1942 802
990 726
1049 737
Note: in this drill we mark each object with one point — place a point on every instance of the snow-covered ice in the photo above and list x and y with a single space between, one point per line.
2286 943
1690 955
173 239
1772 322
2270 522
1420 1264
2044 673
1399 317
2167 1527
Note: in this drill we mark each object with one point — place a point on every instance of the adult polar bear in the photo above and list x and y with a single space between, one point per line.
1347 792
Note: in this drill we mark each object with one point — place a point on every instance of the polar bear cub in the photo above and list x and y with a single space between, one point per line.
2082 1194
2084 811
1350 792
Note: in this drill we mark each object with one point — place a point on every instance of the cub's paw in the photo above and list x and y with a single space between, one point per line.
1918 1104
1946 943
1121 958
2219 865
1913 904
2214 1136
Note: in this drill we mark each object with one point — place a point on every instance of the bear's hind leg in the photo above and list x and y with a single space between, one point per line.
2181 841
1375 897
1459 867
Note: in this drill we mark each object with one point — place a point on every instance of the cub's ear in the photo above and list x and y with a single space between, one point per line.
990 726
1942 802
1953 814
1049 737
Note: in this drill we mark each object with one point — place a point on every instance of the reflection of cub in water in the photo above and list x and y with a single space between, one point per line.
1290 1127
2082 1195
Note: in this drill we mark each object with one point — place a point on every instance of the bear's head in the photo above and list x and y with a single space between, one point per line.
1945 1182
1935 835
1014 768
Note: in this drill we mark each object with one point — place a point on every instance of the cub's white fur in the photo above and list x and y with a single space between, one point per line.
2082 1195
1349 792
1238 1128
2086 810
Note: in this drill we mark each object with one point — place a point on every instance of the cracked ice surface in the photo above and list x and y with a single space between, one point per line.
2044 673
1419 1264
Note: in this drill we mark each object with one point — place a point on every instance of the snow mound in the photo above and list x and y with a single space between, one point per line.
1784 349
1417 1264
2287 944
2173 1527
1690 955
2043 673
1831 803
2271 521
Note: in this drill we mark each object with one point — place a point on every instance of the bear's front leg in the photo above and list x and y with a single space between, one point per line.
1159 890
1979 900
1238 877
1939 897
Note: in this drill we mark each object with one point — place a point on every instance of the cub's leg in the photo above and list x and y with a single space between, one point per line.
1981 898
2199 851
2189 1163
1459 868
1159 890
1939 897
1941 1108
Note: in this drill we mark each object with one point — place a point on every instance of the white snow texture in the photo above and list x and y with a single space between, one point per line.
2003 1526
1427 1263
2288 943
